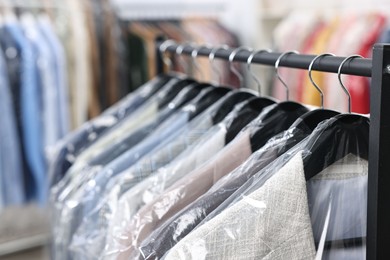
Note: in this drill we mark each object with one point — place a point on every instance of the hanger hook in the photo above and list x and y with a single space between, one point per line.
311 79
249 63
163 48
231 59
211 59
341 82
179 51
194 55
277 72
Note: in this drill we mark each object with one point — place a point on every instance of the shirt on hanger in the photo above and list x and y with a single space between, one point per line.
61 81
30 98
50 114
11 170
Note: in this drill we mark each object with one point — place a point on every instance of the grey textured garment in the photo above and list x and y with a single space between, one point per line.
271 223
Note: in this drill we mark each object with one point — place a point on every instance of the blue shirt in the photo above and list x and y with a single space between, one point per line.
31 121
11 170
60 74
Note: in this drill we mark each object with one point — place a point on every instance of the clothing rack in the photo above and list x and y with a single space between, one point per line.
378 68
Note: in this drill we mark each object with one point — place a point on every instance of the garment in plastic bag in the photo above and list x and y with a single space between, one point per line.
177 227
85 197
184 192
277 214
75 179
87 187
94 229
212 140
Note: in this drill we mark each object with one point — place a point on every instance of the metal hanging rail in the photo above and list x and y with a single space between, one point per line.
359 67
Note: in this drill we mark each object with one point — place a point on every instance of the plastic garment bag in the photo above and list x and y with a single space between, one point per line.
92 183
200 180
177 227
278 215
87 187
92 231
80 179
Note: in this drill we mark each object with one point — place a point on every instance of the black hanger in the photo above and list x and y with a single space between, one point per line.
206 98
227 105
172 89
244 114
187 94
343 134
279 118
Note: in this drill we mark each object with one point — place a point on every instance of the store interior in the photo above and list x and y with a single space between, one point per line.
71 72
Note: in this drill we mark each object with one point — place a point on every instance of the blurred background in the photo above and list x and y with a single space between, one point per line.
88 54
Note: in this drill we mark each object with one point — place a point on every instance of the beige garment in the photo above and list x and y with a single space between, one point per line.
64 30
111 84
273 222
79 67
186 191
94 106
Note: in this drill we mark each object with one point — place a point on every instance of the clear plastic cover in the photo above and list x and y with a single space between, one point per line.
80 175
271 121
92 231
277 214
81 191
177 227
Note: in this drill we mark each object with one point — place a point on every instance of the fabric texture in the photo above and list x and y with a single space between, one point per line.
264 225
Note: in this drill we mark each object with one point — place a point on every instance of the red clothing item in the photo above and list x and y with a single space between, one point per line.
359 87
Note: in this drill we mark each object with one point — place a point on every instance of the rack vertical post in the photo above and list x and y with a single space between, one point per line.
378 208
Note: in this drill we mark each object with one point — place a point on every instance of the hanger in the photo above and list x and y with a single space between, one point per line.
249 63
311 119
206 97
247 111
175 82
278 118
348 129
231 65
194 89
232 98
213 67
